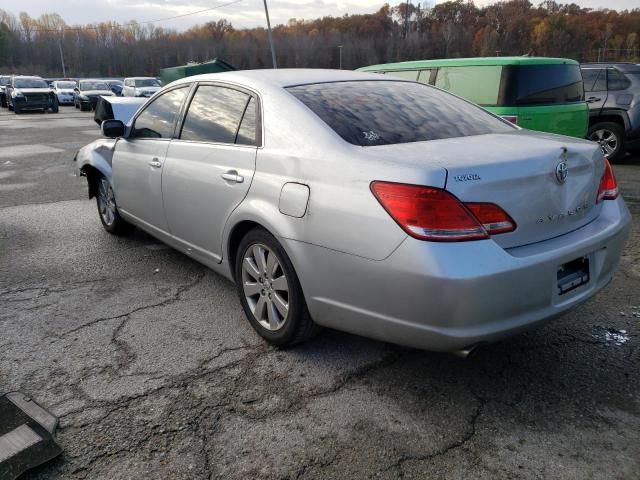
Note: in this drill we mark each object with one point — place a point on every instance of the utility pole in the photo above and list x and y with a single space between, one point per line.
406 18
273 52
340 50
64 71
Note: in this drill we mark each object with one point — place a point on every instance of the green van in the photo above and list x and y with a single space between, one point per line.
537 93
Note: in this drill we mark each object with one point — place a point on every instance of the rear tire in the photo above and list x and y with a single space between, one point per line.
83 108
270 291
108 209
610 136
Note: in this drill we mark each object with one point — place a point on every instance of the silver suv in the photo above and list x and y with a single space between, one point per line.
613 93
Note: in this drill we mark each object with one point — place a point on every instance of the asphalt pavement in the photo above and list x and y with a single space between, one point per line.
149 362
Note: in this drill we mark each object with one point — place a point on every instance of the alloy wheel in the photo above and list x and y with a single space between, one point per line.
265 286
607 140
106 202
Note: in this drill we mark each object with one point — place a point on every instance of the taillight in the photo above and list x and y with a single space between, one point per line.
608 189
492 217
510 118
430 213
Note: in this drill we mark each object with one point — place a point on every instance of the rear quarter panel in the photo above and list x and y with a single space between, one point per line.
568 119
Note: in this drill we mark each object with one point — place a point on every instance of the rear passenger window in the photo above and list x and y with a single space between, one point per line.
616 80
247 131
594 79
478 84
157 120
424 76
406 74
214 115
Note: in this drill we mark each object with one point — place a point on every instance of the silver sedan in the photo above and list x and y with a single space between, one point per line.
385 208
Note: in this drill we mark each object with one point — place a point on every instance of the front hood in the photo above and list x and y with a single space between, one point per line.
32 90
148 89
91 93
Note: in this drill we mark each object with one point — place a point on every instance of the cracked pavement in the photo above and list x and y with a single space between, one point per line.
159 375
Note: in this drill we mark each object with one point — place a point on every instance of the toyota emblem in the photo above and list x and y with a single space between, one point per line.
562 171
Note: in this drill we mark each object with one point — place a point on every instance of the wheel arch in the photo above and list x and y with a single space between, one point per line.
236 234
615 116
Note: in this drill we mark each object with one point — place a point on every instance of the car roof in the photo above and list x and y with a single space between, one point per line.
139 78
282 77
28 76
474 61
622 66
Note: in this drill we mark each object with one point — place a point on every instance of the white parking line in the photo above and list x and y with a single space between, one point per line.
13 151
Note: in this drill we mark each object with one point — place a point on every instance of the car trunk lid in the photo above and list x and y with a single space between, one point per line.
548 184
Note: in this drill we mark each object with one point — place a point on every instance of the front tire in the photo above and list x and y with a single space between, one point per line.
270 291
55 107
610 136
108 209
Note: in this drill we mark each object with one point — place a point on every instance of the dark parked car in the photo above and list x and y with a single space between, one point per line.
87 93
116 86
613 93
30 93
4 81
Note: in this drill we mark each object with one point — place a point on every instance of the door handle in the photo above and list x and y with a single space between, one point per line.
155 163
593 99
232 176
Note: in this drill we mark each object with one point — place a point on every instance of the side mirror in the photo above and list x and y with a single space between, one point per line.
76 89
112 128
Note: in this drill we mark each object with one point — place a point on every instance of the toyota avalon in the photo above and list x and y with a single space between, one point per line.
382 207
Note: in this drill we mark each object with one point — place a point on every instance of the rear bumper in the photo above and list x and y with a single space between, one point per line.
447 296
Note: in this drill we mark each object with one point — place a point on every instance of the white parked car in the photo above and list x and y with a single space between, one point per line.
64 91
140 86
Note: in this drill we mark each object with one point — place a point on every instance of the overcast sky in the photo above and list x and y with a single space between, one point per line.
246 13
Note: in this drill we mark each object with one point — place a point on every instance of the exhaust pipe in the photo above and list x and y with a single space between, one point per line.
466 352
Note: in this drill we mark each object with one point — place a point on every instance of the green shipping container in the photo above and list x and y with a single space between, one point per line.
217 65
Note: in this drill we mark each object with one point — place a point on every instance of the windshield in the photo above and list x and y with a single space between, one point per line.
70 85
368 113
147 82
543 85
5 80
93 86
30 83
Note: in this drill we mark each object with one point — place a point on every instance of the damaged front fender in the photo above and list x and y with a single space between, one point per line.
95 159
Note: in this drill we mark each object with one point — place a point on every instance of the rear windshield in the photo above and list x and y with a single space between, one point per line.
30 83
93 86
66 85
147 82
368 113
543 85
